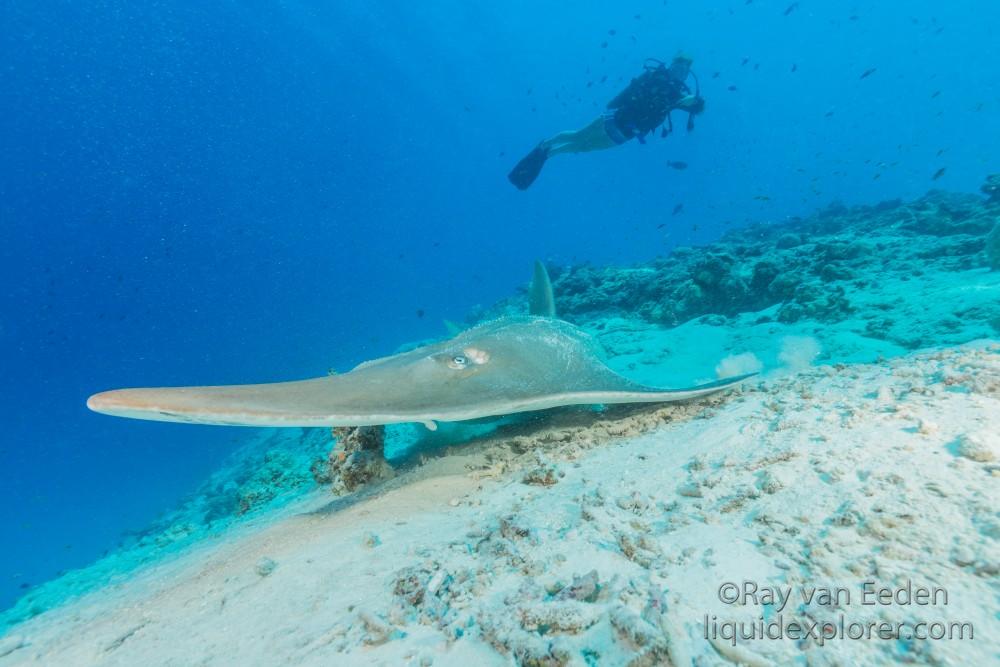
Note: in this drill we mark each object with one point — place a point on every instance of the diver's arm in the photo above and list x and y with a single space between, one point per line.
689 103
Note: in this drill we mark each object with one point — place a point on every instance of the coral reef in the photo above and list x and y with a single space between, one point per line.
822 268
357 459
254 478
278 472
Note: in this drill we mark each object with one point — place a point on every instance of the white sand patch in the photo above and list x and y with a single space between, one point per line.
828 478
738 364
798 352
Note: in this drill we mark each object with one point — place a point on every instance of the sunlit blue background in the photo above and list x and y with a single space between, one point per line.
221 192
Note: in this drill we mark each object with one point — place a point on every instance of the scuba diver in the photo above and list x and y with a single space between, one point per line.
635 112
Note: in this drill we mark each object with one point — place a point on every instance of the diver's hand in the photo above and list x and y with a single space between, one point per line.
691 103
687 102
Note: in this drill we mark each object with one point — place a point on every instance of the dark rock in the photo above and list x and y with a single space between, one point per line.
954 247
992 248
840 250
783 286
888 205
991 188
878 328
764 273
789 241
790 313
835 271
710 271
834 209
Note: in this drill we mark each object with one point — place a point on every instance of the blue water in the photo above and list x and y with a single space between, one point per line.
199 193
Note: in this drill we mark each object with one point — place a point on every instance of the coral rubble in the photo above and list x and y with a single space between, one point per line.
357 459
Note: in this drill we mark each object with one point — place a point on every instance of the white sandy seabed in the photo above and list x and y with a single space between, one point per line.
615 543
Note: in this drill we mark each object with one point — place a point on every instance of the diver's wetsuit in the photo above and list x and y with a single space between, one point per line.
644 105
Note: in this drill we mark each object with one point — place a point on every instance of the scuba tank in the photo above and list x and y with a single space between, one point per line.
655 65
647 102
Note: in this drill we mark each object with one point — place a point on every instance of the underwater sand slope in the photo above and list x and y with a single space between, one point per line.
617 550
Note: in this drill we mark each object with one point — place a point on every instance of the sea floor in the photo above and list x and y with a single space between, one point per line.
606 539
868 450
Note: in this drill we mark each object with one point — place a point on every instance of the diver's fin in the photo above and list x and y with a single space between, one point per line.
541 301
453 329
526 171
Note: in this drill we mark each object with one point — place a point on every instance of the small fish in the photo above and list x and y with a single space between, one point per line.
791 8
868 72
853 17
940 151
420 312
746 59
715 75
604 45
731 88
935 94
612 32
677 164
661 226
677 209
762 198
694 228
828 114
938 174
795 68
604 78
